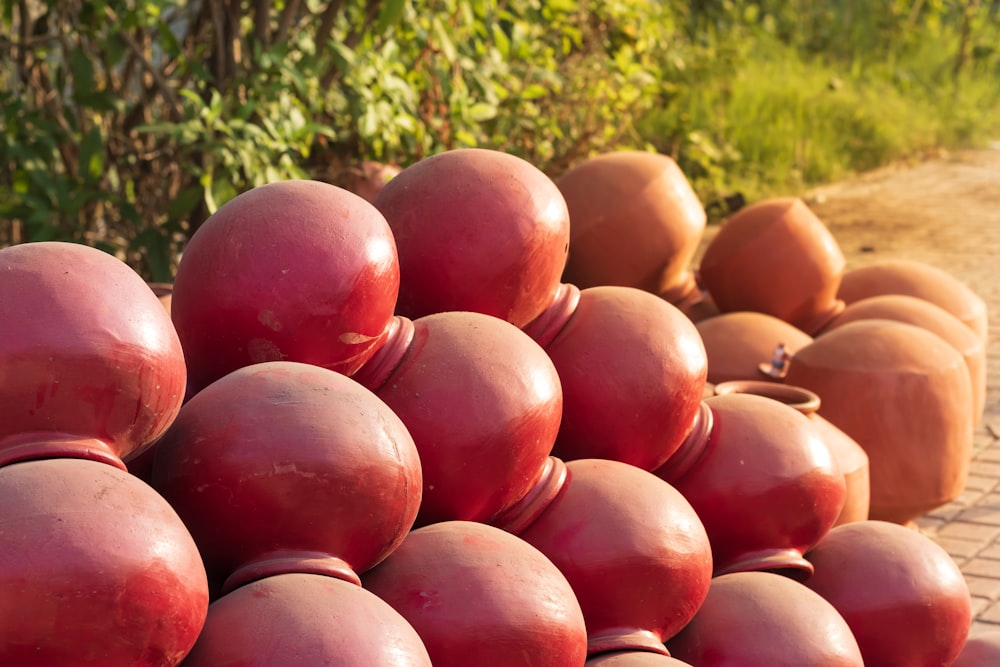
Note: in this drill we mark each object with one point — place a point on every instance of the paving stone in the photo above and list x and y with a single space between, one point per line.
984 587
982 567
957 548
991 613
970 531
987 515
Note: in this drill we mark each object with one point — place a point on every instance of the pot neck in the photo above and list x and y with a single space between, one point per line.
544 328
377 370
692 449
815 324
290 562
49 445
524 512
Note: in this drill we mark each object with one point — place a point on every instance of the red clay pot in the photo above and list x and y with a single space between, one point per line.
902 595
762 481
92 367
628 355
290 271
477 595
737 344
902 276
305 619
635 221
775 257
286 467
482 402
896 390
634 659
850 458
96 568
751 619
630 545
477 230
924 314
982 649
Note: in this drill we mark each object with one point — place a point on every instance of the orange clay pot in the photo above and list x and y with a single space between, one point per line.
635 221
903 394
851 459
924 314
775 257
901 276
736 345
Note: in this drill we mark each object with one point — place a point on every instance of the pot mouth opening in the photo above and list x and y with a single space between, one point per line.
800 398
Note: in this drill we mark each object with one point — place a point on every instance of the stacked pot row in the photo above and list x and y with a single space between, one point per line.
399 423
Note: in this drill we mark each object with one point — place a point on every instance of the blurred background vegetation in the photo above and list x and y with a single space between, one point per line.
126 123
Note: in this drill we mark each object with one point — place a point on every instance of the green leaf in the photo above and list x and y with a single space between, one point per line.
389 14
444 41
184 202
82 70
481 112
91 159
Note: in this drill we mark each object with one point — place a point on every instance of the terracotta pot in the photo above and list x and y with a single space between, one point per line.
482 402
97 569
477 595
368 178
738 344
635 221
896 389
902 595
902 276
477 230
285 467
982 649
762 481
623 352
630 545
924 314
290 271
92 367
750 619
775 257
305 619
851 460
634 659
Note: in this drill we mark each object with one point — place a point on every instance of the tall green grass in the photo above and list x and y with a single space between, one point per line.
775 120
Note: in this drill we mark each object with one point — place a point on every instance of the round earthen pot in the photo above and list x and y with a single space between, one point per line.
632 369
775 257
736 345
368 178
634 659
632 548
982 649
902 595
850 458
92 367
926 315
96 568
903 394
762 481
286 467
305 619
482 402
477 595
903 276
635 221
290 271
477 230
751 619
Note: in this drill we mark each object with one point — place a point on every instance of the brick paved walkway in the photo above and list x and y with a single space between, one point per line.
946 213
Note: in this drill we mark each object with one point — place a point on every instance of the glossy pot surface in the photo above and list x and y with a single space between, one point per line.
632 548
290 271
286 467
477 230
903 596
751 619
92 367
96 569
763 482
478 595
305 619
